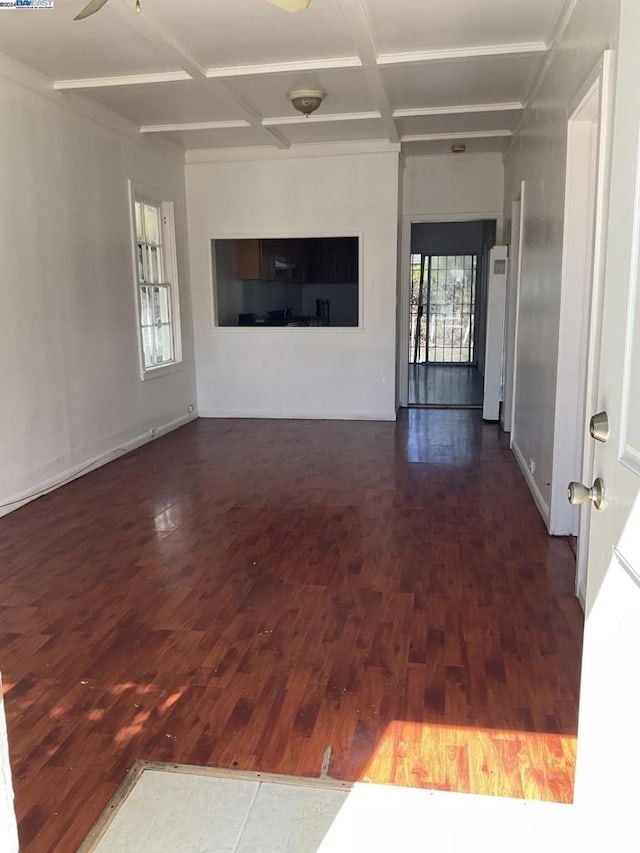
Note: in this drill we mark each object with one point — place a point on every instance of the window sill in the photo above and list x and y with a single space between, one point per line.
164 370
322 330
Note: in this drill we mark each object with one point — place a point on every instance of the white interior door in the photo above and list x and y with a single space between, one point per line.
586 220
608 743
8 828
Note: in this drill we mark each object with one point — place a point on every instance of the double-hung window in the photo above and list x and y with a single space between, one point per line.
156 279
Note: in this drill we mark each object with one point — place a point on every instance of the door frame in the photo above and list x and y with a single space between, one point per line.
579 342
581 214
405 275
512 309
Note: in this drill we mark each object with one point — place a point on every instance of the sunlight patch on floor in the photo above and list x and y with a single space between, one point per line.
520 764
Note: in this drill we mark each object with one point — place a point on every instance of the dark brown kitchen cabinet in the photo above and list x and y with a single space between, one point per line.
271 260
253 260
318 260
297 255
333 260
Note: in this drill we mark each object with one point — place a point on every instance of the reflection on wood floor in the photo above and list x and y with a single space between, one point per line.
445 385
248 593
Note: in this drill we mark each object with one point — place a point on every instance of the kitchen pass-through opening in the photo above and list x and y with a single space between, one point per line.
302 282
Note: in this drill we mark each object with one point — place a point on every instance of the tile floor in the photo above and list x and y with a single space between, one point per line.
192 811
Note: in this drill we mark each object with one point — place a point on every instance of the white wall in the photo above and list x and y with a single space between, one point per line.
468 186
297 372
71 388
538 156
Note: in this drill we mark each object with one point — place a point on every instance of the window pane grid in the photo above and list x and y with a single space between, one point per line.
155 294
139 226
149 243
152 224
443 308
156 325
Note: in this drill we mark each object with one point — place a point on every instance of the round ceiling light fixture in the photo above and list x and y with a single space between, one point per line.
458 148
307 101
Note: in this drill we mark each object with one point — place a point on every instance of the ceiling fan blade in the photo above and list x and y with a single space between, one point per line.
291 5
91 8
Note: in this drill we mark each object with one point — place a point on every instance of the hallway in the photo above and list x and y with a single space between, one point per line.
445 385
246 594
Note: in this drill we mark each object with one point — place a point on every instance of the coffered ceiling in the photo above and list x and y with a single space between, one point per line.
216 73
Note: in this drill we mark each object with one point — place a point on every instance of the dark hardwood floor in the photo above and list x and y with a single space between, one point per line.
248 593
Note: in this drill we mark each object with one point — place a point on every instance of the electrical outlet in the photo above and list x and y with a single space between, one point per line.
191 407
154 432
532 466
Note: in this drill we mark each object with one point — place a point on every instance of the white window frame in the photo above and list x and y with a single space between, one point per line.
150 195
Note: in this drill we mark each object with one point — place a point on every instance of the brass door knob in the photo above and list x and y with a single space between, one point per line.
579 494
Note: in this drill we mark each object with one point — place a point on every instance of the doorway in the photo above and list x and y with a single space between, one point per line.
442 330
447 313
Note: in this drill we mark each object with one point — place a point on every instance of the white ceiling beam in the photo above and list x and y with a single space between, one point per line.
358 21
309 150
125 80
471 134
380 96
443 54
193 125
274 121
252 115
359 25
280 141
338 62
413 112
148 28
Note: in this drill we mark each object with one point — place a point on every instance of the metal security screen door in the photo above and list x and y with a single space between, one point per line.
443 309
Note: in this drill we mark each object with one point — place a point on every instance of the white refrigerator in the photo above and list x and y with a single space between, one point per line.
494 347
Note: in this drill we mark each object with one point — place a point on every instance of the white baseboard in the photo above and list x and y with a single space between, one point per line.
540 502
581 595
14 502
298 416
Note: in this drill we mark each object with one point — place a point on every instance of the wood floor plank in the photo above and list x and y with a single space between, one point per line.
247 594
